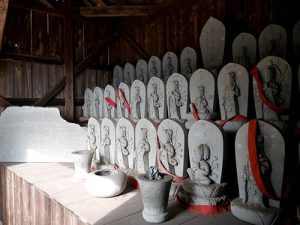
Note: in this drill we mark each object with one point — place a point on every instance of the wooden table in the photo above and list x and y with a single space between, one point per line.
47 194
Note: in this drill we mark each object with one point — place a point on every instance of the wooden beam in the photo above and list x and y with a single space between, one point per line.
115 11
3 13
4 103
77 70
136 46
46 3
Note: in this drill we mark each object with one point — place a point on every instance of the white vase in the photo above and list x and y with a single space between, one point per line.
155 195
82 163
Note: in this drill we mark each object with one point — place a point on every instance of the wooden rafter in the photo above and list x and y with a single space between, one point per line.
115 11
3 13
136 46
4 103
46 3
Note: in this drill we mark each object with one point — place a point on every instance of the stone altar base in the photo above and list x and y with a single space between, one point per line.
254 215
204 199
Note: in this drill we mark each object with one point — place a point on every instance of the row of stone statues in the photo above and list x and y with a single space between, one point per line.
271 42
196 160
198 99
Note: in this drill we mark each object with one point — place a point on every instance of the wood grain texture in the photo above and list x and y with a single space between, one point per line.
3 13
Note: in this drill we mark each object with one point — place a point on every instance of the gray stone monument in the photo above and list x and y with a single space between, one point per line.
169 64
88 107
98 100
38 134
128 74
275 77
141 71
188 62
145 145
126 155
255 177
207 152
212 44
157 107
202 92
173 152
177 96
94 137
233 90
110 104
123 100
154 67
272 41
117 76
138 100
244 50
108 141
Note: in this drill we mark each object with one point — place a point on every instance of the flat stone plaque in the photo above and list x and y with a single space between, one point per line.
188 62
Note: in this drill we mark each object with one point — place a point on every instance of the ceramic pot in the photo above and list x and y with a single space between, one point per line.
82 163
106 183
155 196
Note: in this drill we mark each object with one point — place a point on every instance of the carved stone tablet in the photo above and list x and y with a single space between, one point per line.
138 100
125 144
173 152
212 43
170 65
109 110
244 50
98 100
202 92
38 134
141 71
271 147
154 67
177 96
157 107
276 81
88 107
272 41
123 100
129 74
296 40
117 76
233 90
145 144
206 142
108 141
94 136
188 62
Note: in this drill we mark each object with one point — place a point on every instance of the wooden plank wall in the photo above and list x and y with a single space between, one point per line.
23 204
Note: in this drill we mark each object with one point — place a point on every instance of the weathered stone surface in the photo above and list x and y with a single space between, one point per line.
89 103
188 62
128 74
108 141
123 98
117 76
34 134
170 65
141 71
109 110
154 67
138 95
98 101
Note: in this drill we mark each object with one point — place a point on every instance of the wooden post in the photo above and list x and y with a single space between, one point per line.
69 70
3 13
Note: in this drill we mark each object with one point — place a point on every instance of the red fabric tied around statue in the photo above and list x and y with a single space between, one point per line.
123 98
111 102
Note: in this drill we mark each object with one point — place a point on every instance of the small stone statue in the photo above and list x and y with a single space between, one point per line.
107 105
170 67
201 103
175 101
187 70
140 75
137 102
124 145
105 144
231 95
155 99
143 149
201 173
154 174
153 69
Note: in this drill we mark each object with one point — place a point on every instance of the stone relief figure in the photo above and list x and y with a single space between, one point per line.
153 69
155 100
170 67
92 141
97 104
117 78
137 102
143 150
245 59
231 95
122 105
187 68
253 196
200 174
107 105
171 149
87 105
202 104
105 144
175 101
127 79
140 75
124 144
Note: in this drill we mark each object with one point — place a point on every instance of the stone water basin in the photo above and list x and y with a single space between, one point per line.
106 183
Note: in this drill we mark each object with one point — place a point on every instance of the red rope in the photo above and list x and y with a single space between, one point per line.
111 102
237 117
123 98
194 111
